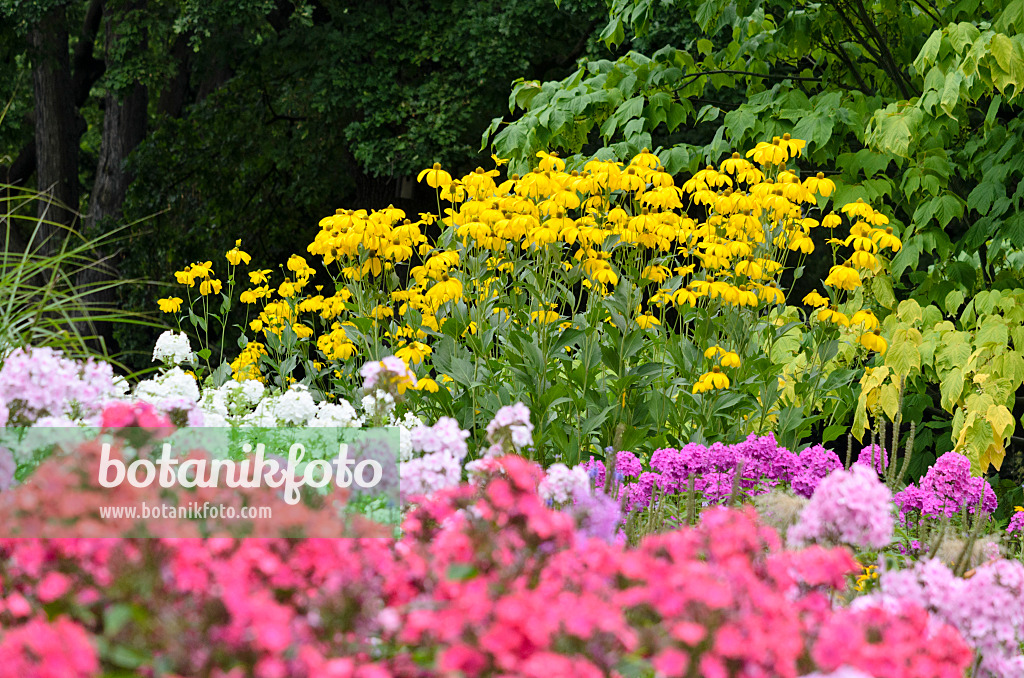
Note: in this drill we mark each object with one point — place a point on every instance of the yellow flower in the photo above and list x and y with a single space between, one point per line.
550 162
169 305
414 352
236 256
185 277
544 317
844 277
815 299
858 209
864 260
427 384
712 380
886 239
820 185
730 359
712 351
831 221
259 277
832 315
204 270
647 321
498 162
866 318
435 176
873 341
658 274
210 287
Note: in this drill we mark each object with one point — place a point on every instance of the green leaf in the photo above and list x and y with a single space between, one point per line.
951 92
929 51
954 300
903 357
951 388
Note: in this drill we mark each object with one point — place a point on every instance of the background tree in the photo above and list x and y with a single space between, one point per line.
253 119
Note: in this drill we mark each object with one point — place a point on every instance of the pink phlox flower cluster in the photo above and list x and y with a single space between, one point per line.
140 414
848 507
510 430
986 608
40 382
444 448
377 373
444 436
562 484
764 465
485 580
891 641
1016 525
47 649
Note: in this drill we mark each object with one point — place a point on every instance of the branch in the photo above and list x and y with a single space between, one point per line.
894 71
928 12
726 71
838 50
85 68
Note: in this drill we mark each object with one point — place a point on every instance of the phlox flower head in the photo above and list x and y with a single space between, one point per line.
391 375
444 436
598 516
874 456
511 429
848 507
173 348
41 382
946 489
562 484
1016 525
174 384
118 415
626 465
813 465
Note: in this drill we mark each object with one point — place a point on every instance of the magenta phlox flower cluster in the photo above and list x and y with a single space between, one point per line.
874 456
848 507
627 465
946 489
41 382
1016 525
598 516
814 465
765 464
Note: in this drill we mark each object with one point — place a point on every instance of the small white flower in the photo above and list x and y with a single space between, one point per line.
173 348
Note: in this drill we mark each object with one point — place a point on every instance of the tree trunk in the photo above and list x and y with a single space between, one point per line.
57 128
125 115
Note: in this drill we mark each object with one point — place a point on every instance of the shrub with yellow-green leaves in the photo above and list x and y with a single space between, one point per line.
970 361
614 301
